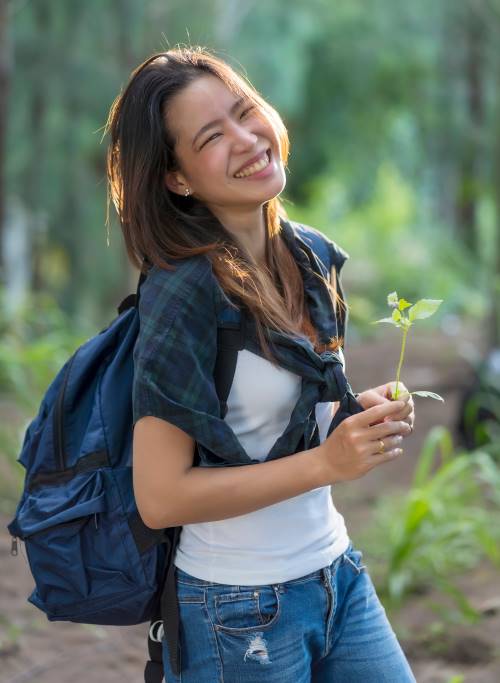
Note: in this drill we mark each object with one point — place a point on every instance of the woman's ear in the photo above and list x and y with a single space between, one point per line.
175 182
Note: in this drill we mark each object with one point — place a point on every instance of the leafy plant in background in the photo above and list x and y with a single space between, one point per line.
34 344
478 424
445 524
424 308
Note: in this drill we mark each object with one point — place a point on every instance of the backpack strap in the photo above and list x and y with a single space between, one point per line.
133 299
318 244
165 621
229 342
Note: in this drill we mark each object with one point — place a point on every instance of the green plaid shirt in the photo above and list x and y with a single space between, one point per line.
175 354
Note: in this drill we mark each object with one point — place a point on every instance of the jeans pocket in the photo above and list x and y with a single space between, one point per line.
247 610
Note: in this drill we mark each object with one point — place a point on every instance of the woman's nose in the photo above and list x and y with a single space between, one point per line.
244 138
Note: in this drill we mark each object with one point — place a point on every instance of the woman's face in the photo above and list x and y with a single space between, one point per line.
210 156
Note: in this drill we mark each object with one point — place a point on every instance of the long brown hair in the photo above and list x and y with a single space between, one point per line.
158 224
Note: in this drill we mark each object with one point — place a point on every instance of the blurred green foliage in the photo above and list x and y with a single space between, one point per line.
390 250
444 525
34 344
392 113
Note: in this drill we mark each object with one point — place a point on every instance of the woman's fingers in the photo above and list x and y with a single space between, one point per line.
389 428
378 413
386 456
389 443
402 414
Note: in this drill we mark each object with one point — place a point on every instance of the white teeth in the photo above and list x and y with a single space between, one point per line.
258 166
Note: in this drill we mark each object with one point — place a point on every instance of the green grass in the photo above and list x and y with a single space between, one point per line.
442 527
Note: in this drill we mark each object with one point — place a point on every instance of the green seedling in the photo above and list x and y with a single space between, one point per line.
424 308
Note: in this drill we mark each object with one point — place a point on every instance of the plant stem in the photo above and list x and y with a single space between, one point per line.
405 332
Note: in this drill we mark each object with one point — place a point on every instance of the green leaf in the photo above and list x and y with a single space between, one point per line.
417 511
428 394
396 315
403 304
461 600
437 438
385 320
424 308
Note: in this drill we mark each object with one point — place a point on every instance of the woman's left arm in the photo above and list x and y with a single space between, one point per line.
383 393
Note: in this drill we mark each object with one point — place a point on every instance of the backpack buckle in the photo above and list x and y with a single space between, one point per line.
158 636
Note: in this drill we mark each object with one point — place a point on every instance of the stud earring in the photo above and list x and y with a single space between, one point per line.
187 191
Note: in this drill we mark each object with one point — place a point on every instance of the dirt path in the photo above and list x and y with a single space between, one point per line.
31 648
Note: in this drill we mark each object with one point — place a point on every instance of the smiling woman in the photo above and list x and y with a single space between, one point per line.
182 131
223 137
196 164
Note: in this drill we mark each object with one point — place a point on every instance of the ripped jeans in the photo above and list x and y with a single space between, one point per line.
326 627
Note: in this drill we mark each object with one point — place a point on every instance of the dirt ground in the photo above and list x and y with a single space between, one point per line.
31 648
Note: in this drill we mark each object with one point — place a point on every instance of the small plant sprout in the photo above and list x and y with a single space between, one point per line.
424 308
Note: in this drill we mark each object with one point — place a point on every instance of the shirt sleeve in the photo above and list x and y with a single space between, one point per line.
175 351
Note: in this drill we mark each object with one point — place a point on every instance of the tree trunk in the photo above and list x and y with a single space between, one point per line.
4 93
474 32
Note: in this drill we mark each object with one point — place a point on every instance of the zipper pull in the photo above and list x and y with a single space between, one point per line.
95 519
13 547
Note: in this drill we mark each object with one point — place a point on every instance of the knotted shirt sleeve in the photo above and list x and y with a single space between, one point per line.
175 351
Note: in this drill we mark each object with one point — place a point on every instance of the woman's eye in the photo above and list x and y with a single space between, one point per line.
208 139
215 134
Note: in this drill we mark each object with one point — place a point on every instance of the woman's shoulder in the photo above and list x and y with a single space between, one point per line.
189 280
311 235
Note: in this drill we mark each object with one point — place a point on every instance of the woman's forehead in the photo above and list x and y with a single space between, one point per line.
203 100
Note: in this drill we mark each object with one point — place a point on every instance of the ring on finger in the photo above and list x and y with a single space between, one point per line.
382 446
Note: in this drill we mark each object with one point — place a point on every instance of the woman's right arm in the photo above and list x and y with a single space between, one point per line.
169 491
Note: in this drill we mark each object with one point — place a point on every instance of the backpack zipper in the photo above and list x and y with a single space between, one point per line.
57 424
77 520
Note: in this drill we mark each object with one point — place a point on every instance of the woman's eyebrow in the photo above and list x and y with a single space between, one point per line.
216 122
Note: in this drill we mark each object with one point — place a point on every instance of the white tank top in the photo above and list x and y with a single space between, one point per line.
282 541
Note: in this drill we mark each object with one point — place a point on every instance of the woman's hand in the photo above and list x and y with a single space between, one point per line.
363 441
383 394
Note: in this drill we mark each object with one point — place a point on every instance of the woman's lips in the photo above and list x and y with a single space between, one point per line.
267 170
254 160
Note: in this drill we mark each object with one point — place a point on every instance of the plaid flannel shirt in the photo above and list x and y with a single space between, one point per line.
175 353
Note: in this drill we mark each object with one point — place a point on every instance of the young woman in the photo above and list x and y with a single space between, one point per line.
269 585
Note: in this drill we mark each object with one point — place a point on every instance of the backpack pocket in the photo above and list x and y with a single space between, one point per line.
75 543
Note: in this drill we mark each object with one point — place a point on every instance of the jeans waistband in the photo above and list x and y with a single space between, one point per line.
185 578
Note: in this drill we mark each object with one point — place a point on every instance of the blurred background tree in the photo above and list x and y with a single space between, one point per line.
393 116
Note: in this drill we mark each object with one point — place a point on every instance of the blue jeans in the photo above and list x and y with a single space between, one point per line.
326 627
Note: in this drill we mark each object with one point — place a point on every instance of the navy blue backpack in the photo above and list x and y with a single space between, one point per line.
92 558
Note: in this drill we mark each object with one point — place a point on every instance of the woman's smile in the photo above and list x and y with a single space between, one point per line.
260 169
